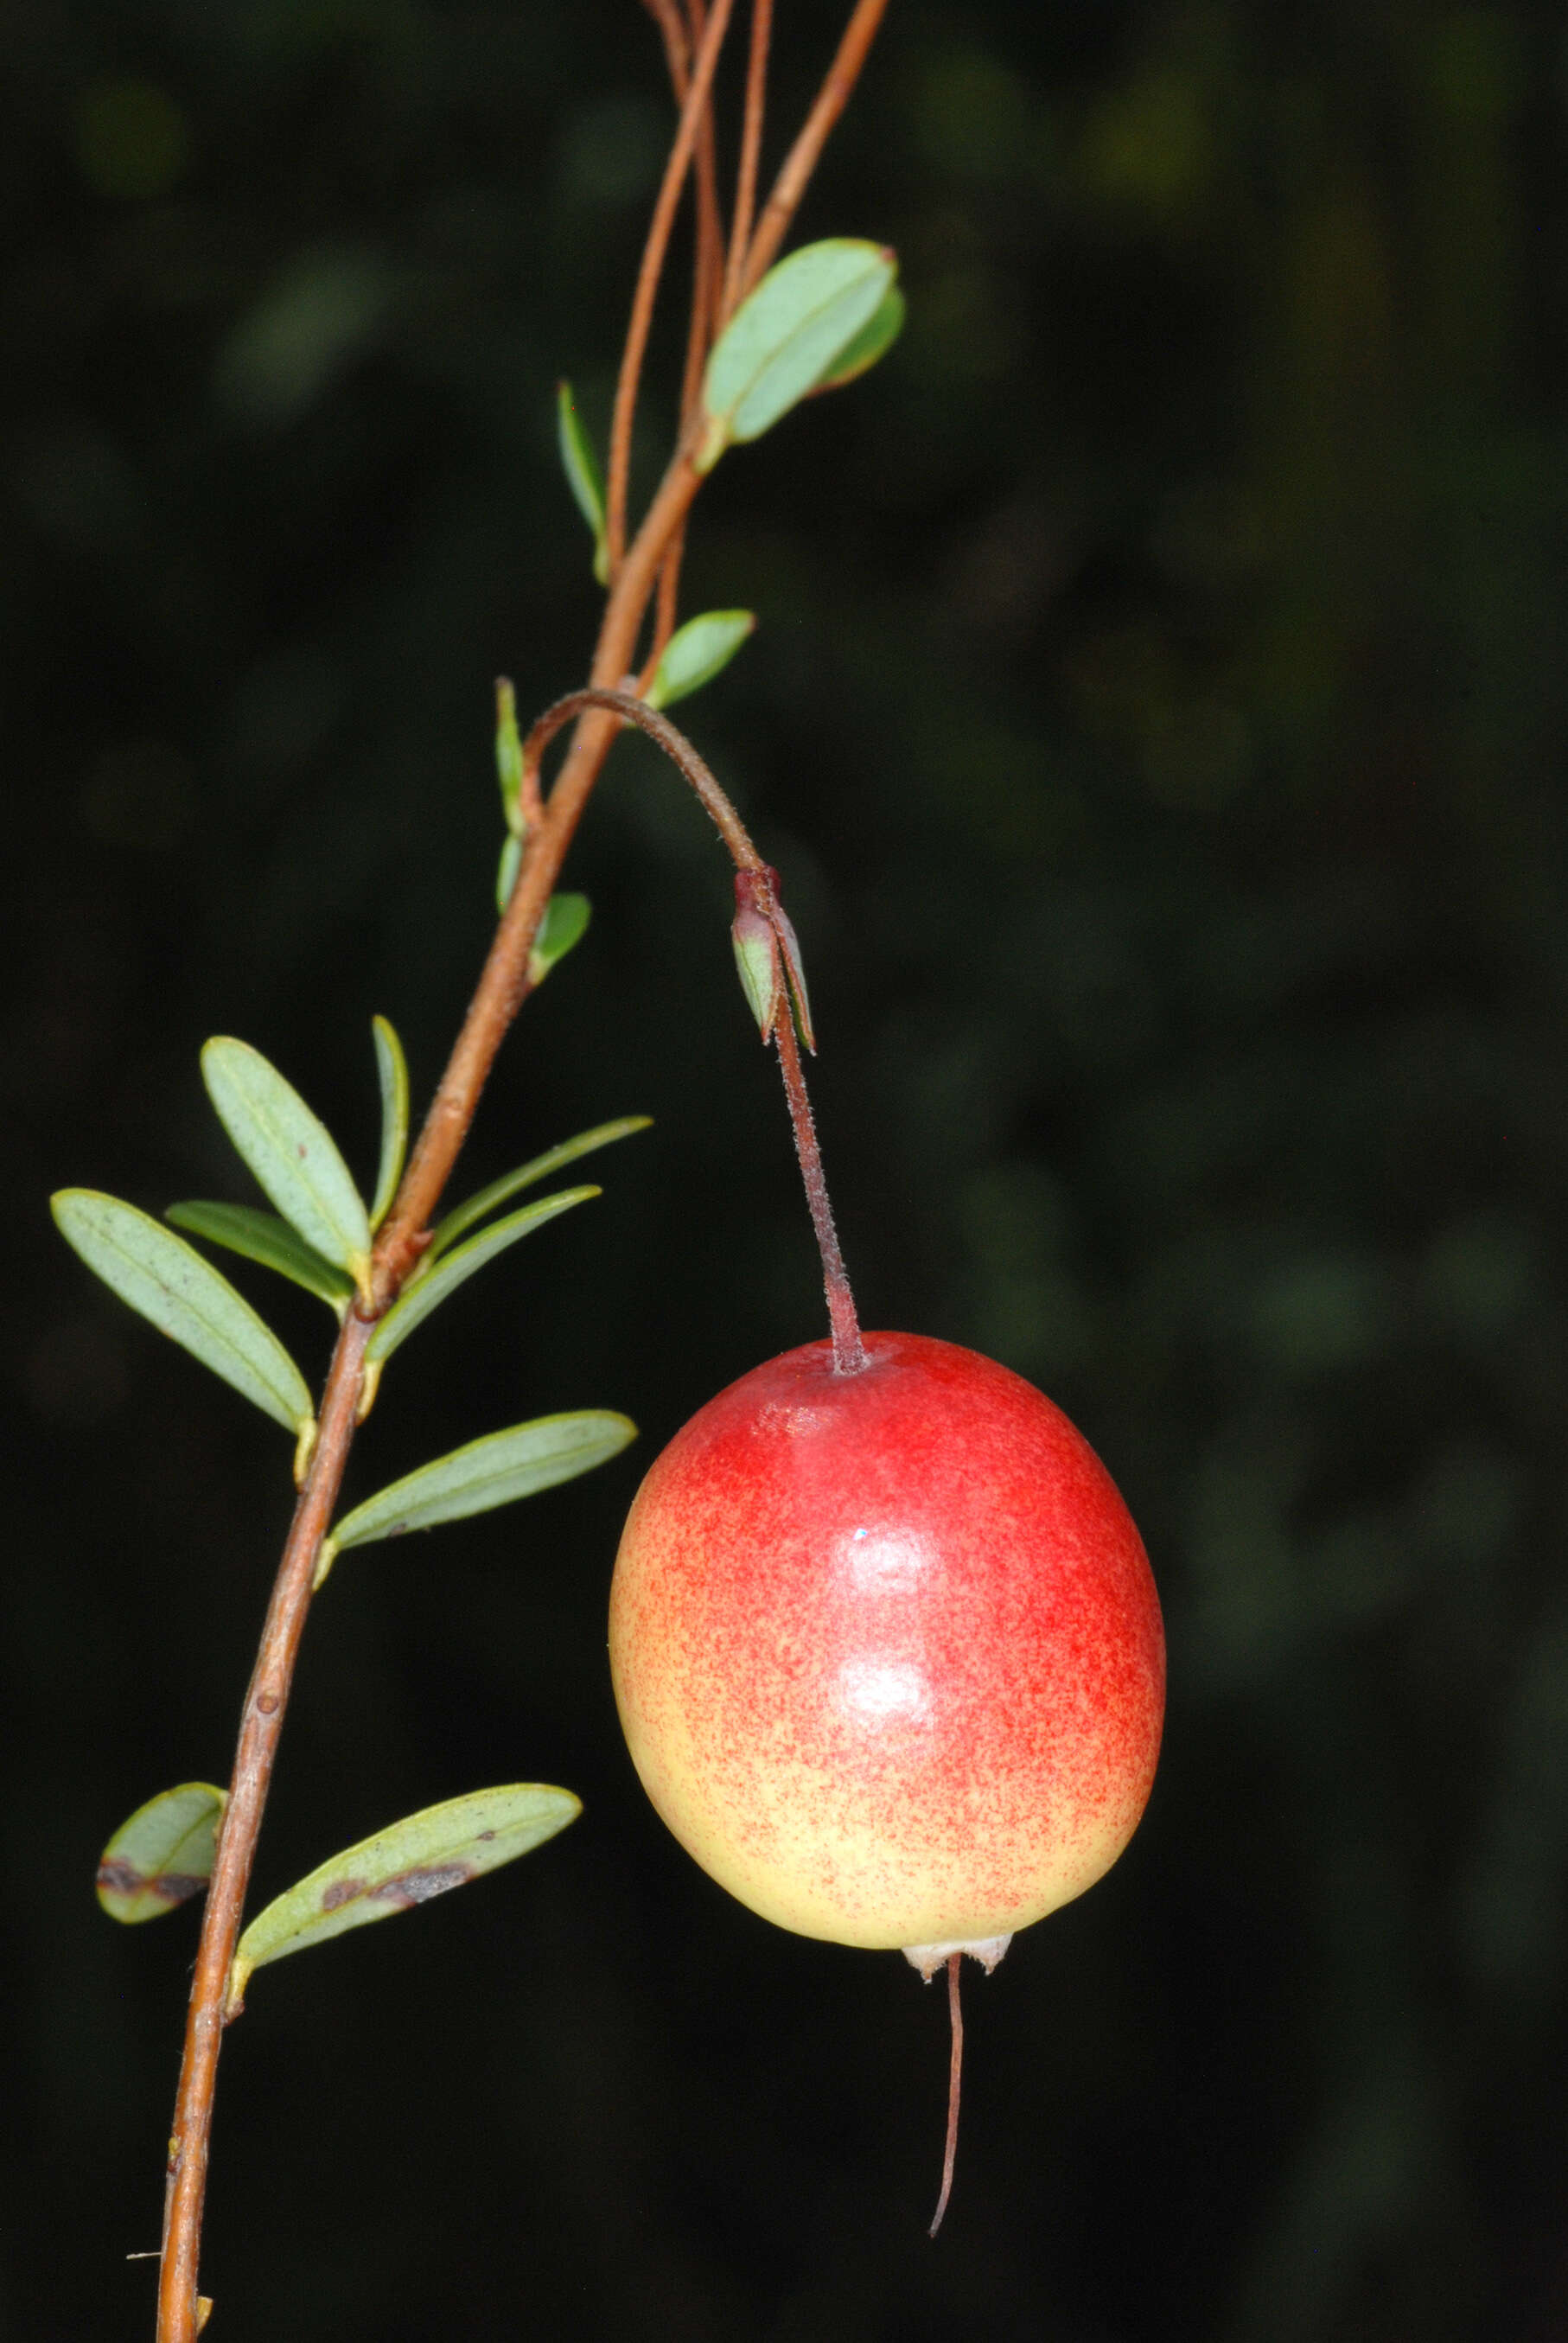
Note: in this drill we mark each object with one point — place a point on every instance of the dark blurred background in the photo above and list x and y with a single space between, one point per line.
1157 712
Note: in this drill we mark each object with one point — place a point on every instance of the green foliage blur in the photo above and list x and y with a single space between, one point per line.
1156 714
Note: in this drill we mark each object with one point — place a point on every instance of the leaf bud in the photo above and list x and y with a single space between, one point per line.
508 755
768 955
757 957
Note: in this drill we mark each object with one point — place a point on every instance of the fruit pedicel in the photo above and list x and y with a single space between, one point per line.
885 1641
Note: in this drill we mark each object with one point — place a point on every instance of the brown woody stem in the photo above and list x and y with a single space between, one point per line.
503 985
261 1724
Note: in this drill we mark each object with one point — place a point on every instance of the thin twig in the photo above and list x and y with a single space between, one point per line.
750 150
705 264
667 17
699 339
679 39
699 328
801 160
266 1704
710 262
709 256
647 278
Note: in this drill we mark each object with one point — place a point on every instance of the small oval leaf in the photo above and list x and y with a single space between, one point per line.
290 1151
564 923
491 1472
554 1159
787 335
392 1073
185 1297
697 652
873 341
580 466
428 1291
410 1862
163 1854
265 1236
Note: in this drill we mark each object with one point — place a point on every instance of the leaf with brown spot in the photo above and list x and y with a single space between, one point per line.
163 1854
407 1864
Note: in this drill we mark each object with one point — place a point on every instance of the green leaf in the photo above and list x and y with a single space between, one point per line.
392 1070
185 1297
583 476
163 1854
263 1237
697 652
427 1292
408 1863
564 923
495 1471
873 341
555 1159
787 335
508 754
506 870
291 1152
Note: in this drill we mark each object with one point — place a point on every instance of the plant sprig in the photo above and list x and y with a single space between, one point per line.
757 343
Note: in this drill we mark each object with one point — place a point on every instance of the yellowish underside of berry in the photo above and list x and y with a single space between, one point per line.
788 1849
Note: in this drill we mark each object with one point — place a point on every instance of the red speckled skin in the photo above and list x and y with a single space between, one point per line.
886 1646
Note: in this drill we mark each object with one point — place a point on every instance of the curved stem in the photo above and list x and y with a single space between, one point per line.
266 1702
675 747
848 1351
